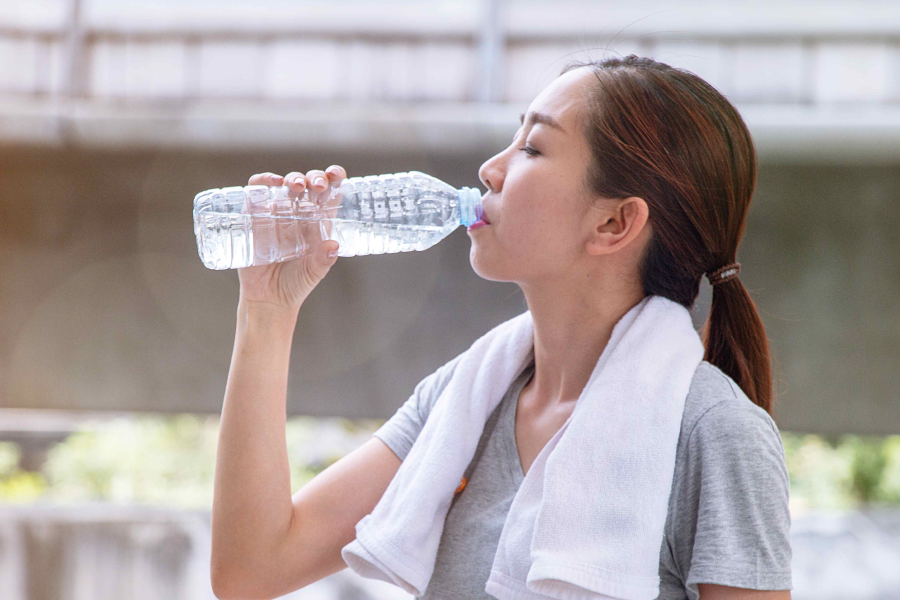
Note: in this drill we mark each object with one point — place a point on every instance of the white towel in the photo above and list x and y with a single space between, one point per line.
587 520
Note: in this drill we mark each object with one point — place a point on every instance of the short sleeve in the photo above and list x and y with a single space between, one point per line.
738 480
399 432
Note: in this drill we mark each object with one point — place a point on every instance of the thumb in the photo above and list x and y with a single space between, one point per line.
329 246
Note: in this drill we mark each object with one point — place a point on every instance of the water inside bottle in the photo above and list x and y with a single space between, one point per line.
226 239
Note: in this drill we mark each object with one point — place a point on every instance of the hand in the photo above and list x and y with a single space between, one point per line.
287 284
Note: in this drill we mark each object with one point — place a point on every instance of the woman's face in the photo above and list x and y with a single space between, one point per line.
536 205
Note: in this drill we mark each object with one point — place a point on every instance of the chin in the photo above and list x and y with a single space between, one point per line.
483 270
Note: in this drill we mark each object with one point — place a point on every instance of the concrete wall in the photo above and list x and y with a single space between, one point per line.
106 305
111 552
108 552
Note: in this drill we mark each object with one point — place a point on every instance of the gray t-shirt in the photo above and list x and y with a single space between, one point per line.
728 521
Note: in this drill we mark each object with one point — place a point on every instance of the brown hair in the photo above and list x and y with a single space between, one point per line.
669 137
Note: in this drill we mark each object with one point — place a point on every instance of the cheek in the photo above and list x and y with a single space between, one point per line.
547 212
538 236
540 216
557 235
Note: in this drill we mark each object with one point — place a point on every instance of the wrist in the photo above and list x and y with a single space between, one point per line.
266 316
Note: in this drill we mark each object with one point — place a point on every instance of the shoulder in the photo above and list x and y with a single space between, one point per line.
717 411
428 390
730 457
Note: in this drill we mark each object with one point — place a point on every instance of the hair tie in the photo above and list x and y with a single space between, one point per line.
724 274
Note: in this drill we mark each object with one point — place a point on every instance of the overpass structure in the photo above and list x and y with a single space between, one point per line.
814 79
113 114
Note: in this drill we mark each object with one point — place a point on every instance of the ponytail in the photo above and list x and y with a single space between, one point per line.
736 342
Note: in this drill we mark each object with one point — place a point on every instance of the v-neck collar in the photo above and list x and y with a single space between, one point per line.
518 472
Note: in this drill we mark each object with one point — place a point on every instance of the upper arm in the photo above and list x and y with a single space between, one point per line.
326 511
740 493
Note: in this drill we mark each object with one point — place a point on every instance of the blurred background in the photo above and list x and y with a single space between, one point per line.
115 341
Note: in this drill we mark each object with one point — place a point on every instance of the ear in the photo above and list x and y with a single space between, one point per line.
616 224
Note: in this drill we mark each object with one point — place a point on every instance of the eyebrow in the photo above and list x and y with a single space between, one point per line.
537 117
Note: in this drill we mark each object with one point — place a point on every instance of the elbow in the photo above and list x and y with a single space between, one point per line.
225 586
239 579
220 590
228 573
230 582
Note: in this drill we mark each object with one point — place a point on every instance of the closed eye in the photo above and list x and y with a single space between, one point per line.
529 150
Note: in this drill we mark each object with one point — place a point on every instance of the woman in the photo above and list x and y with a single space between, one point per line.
627 178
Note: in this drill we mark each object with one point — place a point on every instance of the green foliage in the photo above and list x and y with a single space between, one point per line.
22 486
145 460
17 485
867 467
890 477
817 473
9 458
163 460
843 473
170 460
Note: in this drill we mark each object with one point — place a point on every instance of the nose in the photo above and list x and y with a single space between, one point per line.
492 172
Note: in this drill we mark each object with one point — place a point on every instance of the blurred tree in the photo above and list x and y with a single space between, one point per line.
867 467
869 462
170 460
17 485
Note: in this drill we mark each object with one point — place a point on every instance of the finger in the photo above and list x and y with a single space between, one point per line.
265 179
326 248
296 181
317 179
336 174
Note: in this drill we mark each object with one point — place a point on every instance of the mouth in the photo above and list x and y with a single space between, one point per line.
477 225
483 219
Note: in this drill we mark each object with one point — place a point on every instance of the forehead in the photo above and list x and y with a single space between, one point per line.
564 98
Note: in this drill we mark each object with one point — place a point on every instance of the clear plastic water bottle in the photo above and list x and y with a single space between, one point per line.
238 227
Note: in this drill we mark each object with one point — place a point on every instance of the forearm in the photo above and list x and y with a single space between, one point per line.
252 498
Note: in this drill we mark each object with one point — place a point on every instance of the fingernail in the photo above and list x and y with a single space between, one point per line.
332 253
319 181
298 180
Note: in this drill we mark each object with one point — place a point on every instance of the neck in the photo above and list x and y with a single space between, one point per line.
571 331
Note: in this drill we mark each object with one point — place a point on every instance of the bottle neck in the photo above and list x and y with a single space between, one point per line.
470 209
